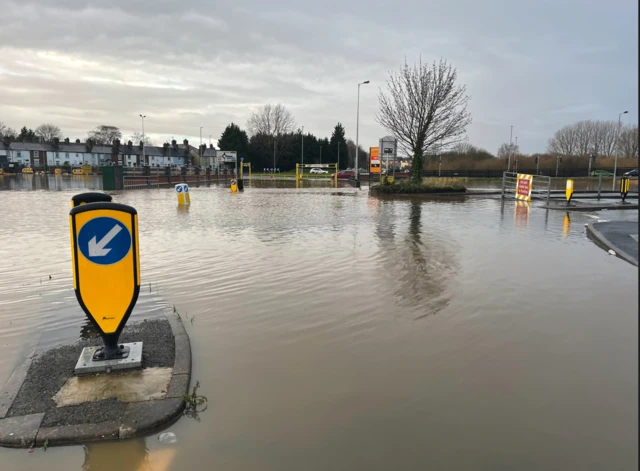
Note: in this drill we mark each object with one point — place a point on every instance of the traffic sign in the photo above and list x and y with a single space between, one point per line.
105 260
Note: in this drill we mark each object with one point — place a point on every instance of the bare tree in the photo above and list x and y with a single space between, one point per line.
105 134
48 132
136 138
6 132
272 120
275 121
627 145
508 150
423 107
564 141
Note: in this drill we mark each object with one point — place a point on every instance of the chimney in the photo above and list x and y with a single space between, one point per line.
77 141
210 146
141 145
129 144
174 144
66 140
186 143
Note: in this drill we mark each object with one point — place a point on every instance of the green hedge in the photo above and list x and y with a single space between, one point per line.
408 188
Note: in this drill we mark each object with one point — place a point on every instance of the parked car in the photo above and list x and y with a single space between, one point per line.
345 174
631 173
604 173
317 170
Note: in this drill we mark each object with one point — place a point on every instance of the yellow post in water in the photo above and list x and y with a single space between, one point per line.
234 185
624 187
182 190
569 190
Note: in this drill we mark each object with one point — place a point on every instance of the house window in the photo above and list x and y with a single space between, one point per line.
57 154
36 153
19 154
57 162
66 154
77 155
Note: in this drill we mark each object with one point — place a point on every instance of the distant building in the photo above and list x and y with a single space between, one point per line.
39 156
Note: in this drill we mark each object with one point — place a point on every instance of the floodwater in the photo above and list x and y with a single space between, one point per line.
333 330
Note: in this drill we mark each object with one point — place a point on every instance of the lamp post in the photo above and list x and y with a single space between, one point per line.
200 163
509 157
143 160
338 161
615 161
302 135
357 125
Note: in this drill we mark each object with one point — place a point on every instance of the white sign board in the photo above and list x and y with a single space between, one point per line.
227 155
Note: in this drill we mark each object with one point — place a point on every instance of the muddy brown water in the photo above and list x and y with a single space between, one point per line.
333 330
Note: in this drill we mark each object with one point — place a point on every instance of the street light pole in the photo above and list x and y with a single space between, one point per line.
357 125
615 161
302 135
143 159
200 163
338 162
509 157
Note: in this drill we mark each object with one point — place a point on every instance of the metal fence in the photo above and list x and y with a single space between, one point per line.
540 185
140 182
562 172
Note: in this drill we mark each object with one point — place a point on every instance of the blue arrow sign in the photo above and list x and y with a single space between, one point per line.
186 189
104 241
179 188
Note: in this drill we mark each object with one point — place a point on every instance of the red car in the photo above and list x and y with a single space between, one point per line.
345 174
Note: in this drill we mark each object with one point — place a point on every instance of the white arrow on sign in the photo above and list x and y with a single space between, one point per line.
96 249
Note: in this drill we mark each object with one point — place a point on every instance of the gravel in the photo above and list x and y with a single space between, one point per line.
51 370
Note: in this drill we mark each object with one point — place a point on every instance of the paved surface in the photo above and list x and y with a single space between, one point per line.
30 416
619 236
580 206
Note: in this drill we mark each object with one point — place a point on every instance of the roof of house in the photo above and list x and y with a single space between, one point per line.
29 146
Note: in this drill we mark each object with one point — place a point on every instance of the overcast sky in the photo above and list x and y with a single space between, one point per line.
534 65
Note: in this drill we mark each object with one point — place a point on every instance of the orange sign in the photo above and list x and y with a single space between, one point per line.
374 160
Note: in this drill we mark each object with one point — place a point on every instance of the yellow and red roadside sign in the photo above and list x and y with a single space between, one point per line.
523 187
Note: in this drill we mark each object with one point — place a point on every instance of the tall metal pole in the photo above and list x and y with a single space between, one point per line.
509 157
338 156
200 163
357 136
143 160
302 135
615 161
274 156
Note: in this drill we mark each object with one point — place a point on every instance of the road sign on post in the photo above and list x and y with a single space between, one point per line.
106 269
523 187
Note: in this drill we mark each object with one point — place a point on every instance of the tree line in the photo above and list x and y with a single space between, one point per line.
600 138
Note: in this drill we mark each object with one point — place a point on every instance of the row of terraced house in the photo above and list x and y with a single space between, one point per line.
65 153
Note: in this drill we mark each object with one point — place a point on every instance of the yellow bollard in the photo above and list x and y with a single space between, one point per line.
569 191
182 190
234 185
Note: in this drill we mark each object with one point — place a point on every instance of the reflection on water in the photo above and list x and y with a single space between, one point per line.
333 330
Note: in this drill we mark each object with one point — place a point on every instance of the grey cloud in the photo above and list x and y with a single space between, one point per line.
195 63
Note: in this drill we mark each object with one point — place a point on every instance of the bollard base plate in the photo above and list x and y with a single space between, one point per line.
87 365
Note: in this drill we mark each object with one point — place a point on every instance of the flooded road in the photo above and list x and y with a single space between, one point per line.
333 330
